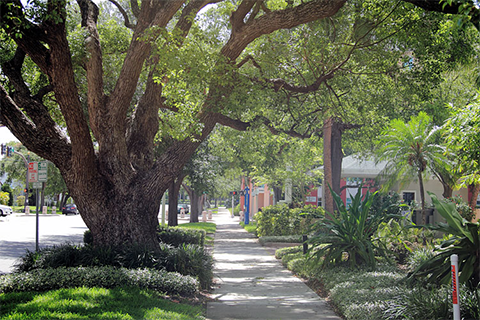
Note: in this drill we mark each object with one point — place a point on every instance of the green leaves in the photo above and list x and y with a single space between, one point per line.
463 240
349 233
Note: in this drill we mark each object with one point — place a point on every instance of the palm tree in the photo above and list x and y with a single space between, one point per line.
410 150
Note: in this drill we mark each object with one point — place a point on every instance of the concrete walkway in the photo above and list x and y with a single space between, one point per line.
252 284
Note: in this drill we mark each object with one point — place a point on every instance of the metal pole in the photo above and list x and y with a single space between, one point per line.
455 299
37 224
247 205
232 205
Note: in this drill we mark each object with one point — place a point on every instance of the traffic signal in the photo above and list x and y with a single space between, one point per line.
10 151
25 191
234 193
4 149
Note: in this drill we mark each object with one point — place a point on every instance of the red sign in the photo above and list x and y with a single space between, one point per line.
454 282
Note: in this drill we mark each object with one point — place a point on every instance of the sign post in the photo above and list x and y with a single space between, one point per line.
455 300
247 205
37 175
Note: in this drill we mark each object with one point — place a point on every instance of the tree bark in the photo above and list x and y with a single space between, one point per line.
173 192
473 200
332 160
114 176
422 197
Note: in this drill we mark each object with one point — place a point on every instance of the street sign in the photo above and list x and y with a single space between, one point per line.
42 171
32 171
37 185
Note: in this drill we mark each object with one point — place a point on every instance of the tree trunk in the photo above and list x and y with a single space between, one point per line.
473 200
422 198
332 160
173 192
196 206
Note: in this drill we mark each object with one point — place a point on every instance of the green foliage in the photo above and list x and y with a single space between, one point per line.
4 198
96 303
178 236
251 227
288 239
462 208
185 259
105 276
360 293
287 250
402 239
279 220
409 148
20 200
419 303
6 188
208 227
464 241
351 232
189 259
418 257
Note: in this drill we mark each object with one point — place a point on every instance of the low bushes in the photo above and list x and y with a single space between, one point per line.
180 236
190 259
381 294
288 239
279 220
107 276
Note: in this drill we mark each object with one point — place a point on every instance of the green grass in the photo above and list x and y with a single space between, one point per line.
33 209
251 227
94 303
209 227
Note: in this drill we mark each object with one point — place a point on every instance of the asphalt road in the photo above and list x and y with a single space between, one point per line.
18 234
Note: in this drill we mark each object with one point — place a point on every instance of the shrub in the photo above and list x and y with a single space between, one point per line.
464 242
288 239
402 240
279 220
462 207
236 210
192 260
107 277
179 236
87 237
4 198
418 257
20 200
352 232
287 250
189 259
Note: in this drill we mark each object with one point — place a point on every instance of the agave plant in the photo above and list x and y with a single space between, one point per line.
349 232
463 240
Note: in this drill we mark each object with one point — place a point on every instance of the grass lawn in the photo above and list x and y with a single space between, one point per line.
251 227
209 227
33 209
95 303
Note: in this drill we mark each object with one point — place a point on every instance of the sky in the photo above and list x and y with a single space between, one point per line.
6 135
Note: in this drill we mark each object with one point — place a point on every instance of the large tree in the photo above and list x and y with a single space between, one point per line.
107 153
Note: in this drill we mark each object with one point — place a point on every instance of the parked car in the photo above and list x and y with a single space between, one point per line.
184 206
5 211
69 208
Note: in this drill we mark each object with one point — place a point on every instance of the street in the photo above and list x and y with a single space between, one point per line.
17 234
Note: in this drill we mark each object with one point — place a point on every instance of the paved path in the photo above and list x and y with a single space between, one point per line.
252 284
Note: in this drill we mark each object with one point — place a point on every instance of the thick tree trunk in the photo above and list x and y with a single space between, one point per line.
195 206
332 160
473 200
173 192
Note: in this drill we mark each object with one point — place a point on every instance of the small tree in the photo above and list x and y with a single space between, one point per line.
409 149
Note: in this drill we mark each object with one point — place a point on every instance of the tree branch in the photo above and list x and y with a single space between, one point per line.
94 69
124 14
244 33
38 138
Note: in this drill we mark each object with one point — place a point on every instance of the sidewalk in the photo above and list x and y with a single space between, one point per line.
252 284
